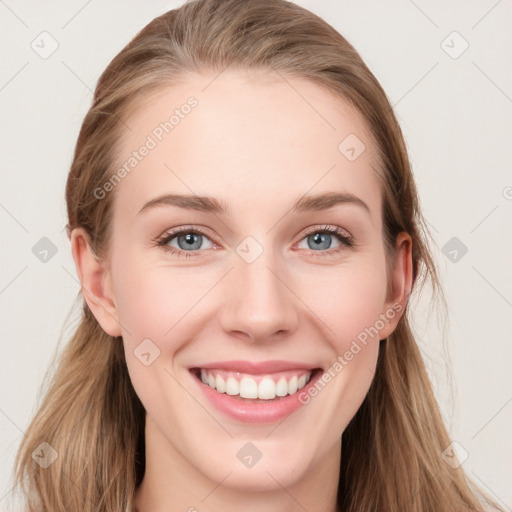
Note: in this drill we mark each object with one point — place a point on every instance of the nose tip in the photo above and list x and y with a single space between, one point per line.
258 303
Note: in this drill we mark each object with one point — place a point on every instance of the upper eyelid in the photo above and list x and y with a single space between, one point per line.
172 232
326 227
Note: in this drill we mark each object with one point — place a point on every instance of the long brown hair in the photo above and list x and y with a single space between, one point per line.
91 416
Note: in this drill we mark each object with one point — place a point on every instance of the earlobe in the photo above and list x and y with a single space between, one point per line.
401 283
95 279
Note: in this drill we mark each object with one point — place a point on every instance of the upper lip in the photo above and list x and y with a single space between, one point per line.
257 367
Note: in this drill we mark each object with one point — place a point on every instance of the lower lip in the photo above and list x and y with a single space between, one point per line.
256 412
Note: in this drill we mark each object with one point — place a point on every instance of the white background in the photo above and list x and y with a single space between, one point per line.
456 116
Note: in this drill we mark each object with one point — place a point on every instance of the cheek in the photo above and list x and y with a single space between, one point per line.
151 299
349 303
355 309
348 300
349 309
155 307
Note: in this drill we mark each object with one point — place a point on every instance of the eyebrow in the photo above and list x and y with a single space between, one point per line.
212 205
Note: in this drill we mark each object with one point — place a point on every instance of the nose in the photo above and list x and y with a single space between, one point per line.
259 304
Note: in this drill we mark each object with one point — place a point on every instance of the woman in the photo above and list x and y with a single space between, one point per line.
246 230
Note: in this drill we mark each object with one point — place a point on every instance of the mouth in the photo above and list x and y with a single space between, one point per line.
255 388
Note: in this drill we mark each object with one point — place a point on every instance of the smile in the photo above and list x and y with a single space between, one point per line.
255 392
265 387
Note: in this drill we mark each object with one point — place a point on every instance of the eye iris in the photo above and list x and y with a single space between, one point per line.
190 238
317 237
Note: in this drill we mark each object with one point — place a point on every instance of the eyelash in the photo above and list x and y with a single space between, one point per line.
346 240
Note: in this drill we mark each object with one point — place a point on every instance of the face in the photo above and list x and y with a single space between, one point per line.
266 288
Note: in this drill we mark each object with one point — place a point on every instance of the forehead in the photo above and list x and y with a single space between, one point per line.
249 138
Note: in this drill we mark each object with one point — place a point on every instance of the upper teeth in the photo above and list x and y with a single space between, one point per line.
247 387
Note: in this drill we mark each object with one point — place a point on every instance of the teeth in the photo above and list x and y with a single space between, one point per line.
266 389
282 387
292 385
232 387
220 384
247 387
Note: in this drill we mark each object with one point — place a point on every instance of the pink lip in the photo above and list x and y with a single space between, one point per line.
257 368
256 412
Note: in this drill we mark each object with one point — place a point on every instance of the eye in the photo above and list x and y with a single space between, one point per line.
187 239
322 239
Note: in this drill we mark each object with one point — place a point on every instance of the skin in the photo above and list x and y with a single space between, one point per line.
256 144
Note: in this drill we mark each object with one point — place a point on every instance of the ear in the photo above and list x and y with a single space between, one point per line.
399 286
96 282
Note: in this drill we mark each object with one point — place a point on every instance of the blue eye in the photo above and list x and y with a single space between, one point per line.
319 240
188 240
322 239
